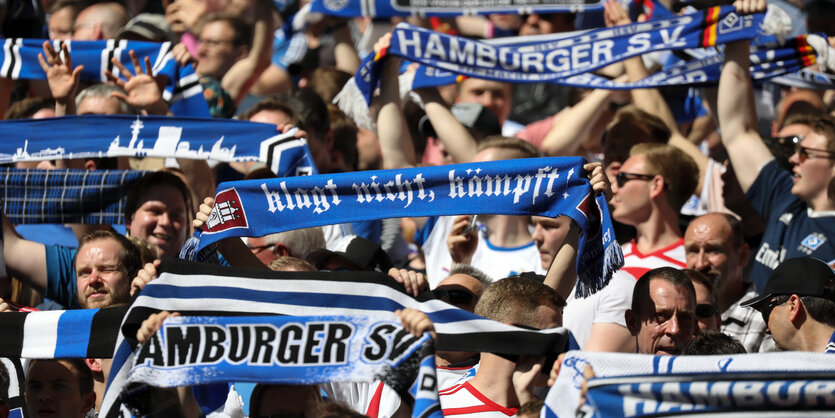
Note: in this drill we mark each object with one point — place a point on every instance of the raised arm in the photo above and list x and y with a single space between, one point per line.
457 140
25 259
650 100
240 78
572 125
395 141
62 77
735 108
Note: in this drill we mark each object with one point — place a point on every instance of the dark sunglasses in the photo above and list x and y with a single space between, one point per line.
790 140
622 177
706 310
773 303
454 296
803 153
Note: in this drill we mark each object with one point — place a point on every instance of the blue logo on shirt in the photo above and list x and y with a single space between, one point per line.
813 241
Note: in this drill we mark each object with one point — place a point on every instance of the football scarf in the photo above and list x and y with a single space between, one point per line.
19 61
636 385
535 186
767 62
96 136
195 289
391 8
66 195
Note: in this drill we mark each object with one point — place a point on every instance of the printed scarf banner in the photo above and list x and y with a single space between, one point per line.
766 63
66 195
183 92
538 186
391 8
197 289
807 79
273 349
636 385
545 58
97 136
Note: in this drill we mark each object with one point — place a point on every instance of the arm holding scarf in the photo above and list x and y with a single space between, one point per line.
649 99
396 144
736 109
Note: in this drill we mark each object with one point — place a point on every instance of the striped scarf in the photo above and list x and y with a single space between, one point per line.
195 289
19 61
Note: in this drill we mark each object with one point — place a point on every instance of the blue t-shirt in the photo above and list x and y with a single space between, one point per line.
790 230
60 276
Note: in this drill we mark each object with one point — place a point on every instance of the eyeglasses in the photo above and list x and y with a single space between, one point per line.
803 153
622 177
705 310
773 303
455 296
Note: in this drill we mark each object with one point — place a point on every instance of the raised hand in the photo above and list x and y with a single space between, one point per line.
144 91
62 77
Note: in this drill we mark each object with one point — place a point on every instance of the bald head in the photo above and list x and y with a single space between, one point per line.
99 21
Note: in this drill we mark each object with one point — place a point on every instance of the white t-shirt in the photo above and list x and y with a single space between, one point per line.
375 399
496 262
609 305
465 401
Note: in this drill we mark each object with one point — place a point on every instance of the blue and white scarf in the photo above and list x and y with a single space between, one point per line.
95 136
537 186
66 195
635 385
544 58
767 61
183 92
391 8
195 289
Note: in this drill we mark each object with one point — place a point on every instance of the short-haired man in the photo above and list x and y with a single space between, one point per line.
714 245
156 211
662 318
59 388
99 21
105 264
798 304
799 212
512 300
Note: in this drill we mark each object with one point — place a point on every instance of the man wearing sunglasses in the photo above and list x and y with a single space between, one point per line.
799 213
798 305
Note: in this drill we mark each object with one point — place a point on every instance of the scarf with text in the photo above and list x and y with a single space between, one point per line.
635 385
767 61
196 289
97 136
390 8
288 350
536 186
66 195
545 58
183 92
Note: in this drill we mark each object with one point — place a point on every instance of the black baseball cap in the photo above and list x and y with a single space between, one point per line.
803 276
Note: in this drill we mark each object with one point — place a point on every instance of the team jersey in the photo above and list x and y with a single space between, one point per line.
791 228
636 263
463 400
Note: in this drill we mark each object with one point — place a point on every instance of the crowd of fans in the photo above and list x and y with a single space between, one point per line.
723 197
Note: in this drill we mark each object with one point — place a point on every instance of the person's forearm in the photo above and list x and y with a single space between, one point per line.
562 274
